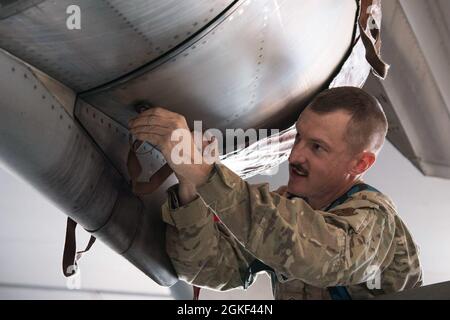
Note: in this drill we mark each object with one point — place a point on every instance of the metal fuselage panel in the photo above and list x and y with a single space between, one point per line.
230 64
115 38
41 142
245 69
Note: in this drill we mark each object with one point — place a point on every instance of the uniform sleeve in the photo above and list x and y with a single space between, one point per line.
203 252
322 249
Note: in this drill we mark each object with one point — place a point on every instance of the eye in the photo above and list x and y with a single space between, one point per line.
317 147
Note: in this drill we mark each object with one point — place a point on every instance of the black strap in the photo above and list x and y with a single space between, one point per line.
70 255
341 292
355 189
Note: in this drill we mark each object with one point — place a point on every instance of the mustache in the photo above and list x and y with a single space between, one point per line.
299 167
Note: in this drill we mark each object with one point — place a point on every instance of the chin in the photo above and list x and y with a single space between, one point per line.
296 189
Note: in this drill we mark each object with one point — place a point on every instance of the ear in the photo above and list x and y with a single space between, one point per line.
362 163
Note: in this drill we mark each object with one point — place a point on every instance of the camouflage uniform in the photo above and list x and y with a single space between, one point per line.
308 250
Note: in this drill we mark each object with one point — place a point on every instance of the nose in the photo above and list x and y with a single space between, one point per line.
298 153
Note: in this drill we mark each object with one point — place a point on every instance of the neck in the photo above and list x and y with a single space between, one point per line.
322 201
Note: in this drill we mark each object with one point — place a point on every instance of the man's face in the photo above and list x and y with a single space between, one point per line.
320 158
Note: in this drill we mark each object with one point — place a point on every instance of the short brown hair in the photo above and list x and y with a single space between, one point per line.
368 124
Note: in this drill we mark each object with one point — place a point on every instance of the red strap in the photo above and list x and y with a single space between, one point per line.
196 293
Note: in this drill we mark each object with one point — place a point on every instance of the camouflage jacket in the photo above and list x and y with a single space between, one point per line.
361 244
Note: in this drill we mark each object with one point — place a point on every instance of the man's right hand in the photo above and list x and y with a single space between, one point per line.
186 190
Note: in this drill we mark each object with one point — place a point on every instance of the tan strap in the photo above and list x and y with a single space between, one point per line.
371 39
135 169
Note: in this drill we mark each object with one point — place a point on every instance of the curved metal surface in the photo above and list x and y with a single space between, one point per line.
242 72
239 71
412 93
113 139
40 141
116 37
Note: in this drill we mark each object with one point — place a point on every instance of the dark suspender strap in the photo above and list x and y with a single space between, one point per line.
356 188
340 292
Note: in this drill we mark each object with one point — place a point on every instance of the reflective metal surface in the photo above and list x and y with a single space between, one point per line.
242 71
41 142
419 105
116 36
238 71
113 139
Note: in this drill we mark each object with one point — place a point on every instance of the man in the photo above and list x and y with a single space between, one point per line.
326 235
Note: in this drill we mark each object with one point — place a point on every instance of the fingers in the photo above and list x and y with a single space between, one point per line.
161 113
143 121
158 117
154 138
147 128
157 126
